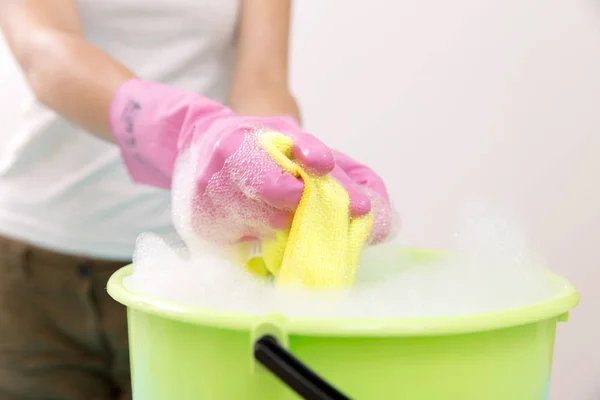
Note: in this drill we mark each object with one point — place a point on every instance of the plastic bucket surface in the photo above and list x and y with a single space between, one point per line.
180 352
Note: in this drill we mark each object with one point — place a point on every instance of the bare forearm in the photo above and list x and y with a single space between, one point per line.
74 78
66 73
264 100
260 76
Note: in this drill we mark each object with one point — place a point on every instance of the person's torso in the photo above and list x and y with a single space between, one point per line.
64 189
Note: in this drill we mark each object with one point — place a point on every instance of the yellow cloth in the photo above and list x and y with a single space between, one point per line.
323 246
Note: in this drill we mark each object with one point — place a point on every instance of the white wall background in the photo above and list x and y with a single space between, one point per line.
495 99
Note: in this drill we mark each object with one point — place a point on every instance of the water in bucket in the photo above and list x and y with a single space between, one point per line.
491 267
472 324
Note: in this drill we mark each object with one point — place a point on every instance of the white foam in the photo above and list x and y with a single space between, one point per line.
492 267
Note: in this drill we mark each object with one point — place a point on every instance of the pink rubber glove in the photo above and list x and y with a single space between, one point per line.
154 124
360 181
368 182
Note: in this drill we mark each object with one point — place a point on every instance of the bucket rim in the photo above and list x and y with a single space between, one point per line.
557 307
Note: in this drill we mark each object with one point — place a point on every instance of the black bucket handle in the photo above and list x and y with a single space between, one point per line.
292 372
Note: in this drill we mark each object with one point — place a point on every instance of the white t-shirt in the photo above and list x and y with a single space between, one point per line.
63 189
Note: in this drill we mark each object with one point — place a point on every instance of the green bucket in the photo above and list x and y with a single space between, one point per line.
184 353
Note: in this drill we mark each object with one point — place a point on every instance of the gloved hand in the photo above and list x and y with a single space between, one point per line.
240 193
364 179
360 181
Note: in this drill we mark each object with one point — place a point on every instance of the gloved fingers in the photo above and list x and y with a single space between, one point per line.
282 220
386 222
312 154
360 174
360 203
308 151
222 150
245 239
280 190
366 178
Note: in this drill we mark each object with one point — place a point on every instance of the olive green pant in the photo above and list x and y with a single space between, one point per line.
61 336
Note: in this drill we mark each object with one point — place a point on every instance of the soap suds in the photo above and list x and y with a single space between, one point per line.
491 267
